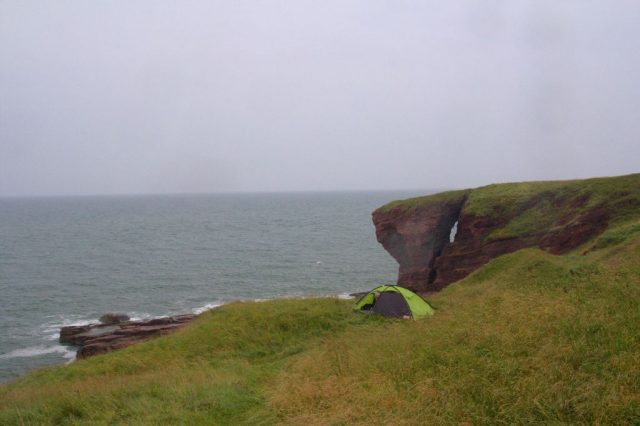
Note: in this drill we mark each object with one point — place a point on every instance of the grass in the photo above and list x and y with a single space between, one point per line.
617 235
413 203
539 207
529 338
620 193
210 372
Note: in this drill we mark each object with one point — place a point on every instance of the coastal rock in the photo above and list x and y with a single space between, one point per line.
114 318
94 339
418 236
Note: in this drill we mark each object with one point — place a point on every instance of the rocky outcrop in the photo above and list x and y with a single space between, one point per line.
94 339
416 237
492 221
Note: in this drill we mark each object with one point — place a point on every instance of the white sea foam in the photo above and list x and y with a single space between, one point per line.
344 296
141 316
51 329
207 307
34 351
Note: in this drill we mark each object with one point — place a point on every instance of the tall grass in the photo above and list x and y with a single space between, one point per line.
531 338
213 371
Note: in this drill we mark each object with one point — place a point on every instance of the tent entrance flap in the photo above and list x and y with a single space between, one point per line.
391 304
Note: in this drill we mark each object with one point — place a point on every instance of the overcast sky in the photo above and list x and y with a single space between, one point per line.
104 97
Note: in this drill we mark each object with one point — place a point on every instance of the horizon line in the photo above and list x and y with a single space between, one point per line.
203 193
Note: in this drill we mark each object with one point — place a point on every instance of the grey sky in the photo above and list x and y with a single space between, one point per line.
206 96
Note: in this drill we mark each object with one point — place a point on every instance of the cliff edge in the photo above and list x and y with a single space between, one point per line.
441 238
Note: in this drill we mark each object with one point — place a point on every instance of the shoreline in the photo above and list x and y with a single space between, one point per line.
115 333
51 345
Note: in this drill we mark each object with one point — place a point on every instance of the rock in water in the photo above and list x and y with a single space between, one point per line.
94 339
114 318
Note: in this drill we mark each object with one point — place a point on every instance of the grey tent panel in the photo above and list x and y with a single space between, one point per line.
391 304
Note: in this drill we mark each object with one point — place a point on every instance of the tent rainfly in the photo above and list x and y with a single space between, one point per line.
394 301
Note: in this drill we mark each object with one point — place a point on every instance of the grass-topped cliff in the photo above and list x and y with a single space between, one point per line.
507 198
529 337
556 216
534 206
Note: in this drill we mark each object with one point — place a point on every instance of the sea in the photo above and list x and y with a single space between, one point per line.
68 260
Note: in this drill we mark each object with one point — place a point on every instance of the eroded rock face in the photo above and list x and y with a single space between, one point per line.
474 246
94 339
415 238
418 238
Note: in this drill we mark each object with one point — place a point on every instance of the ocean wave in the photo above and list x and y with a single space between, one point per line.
207 307
35 351
140 316
51 330
344 296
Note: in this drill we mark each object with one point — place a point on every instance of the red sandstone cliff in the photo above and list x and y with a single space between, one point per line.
417 237
495 220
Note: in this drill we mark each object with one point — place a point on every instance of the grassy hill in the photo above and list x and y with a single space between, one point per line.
530 337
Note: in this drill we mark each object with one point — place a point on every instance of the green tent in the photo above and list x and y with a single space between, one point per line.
394 301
